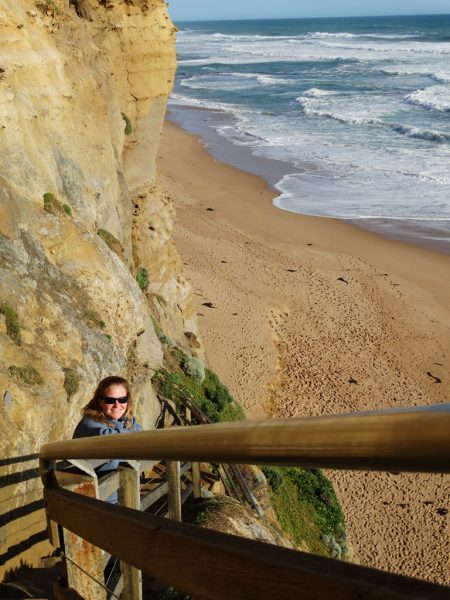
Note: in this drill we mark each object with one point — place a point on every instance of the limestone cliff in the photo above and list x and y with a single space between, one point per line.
83 92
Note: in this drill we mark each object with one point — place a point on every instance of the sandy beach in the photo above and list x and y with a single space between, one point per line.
311 316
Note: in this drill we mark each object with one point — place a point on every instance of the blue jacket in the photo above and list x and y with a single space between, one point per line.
89 427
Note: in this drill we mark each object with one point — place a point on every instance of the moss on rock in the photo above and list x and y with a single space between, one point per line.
27 375
12 322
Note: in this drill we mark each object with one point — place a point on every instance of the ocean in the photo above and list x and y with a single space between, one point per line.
348 117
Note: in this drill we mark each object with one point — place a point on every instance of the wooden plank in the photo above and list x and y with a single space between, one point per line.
408 440
160 491
228 482
129 496
186 493
212 565
174 493
154 495
185 468
108 484
235 469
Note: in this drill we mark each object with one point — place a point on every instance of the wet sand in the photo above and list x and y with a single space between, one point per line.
314 316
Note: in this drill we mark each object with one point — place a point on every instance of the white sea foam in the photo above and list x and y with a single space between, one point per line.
429 135
233 81
432 98
181 100
441 77
317 93
350 36
369 149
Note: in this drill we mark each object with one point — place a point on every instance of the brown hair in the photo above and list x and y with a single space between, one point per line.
93 410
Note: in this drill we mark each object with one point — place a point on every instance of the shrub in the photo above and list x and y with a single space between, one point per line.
128 128
216 391
112 242
51 204
194 367
71 381
27 375
12 322
142 278
333 546
179 354
307 509
165 339
173 385
54 207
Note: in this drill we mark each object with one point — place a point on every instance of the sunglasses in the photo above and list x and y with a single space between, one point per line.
108 400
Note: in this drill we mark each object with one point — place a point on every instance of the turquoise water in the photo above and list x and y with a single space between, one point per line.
358 109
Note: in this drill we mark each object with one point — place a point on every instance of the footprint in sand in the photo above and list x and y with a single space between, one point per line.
436 379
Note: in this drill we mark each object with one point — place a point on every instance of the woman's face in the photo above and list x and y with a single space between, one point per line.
116 410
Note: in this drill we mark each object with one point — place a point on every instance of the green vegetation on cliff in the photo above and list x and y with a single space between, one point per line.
307 509
12 322
128 128
142 278
53 206
210 395
25 375
186 375
112 242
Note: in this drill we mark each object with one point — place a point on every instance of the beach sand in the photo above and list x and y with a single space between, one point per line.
312 316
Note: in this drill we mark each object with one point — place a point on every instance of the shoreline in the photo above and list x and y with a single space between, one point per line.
314 316
198 121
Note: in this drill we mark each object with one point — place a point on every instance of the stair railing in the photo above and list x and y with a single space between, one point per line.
206 564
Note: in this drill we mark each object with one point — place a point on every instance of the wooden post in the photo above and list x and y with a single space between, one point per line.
174 495
84 562
188 415
129 495
196 480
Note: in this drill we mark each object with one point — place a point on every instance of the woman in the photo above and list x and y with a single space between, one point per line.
109 412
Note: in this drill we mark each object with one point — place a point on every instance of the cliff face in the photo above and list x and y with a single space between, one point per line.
81 213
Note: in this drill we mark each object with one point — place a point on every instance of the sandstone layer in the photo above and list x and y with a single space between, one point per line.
83 92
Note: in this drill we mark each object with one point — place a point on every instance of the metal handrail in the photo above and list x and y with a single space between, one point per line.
400 440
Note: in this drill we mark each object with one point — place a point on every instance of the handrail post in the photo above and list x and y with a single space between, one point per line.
47 470
196 479
129 495
174 494
188 415
84 561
